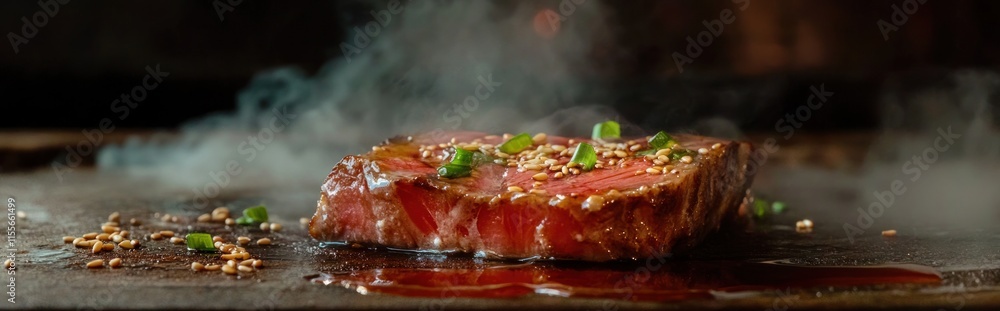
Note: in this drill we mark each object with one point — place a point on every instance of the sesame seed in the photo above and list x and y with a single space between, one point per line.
257 263
109 247
574 171
537 191
230 257
702 150
126 244
177 240
663 158
94 264
98 247
115 217
687 159
515 189
556 167
652 170
136 243
68 239
572 164
230 221
244 269
155 236
889 233
571 142
658 162
662 152
304 221
559 175
204 218
426 154
228 270
197 266
110 229
135 222
217 239
167 233
7 264
125 234
212 267
565 169
276 227
265 226
716 145
247 262
115 262
103 237
635 147
558 148
621 154
532 167
674 171
225 248
536 184
218 244
539 138
540 176
264 241
637 173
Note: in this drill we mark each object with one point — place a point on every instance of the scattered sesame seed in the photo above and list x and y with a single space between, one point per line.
177 240
156 236
110 229
532 167
559 175
217 239
264 241
115 262
212 267
68 239
889 233
98 247
593 203
109 247
265 226
653 170
539 138
515 189
115 217
205 218
135 222
167 233
126 244
228 270
702 150
537 191
716 145
687 159
230 221
244 269
257 263
197 266
275 227
103 237
7 264
663 152
94 264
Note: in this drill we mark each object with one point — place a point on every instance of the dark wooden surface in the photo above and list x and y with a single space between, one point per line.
51 274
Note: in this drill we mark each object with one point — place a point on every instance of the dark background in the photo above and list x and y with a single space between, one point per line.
90 52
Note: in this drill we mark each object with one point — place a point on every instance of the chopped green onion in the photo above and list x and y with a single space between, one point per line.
585 156
462 157
606 130
479 158
257 213
760 208
778 207
661 141
244 221
516 144
201 242
454 171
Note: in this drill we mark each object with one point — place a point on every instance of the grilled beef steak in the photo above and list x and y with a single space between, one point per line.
630 205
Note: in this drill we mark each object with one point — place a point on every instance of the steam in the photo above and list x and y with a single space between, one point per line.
959 187
416 75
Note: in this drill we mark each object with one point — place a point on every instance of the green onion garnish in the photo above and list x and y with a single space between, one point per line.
760 208
201 242
244 221
778 207
585 156
606 130
257 214
661 141
516 144
462 157
454 171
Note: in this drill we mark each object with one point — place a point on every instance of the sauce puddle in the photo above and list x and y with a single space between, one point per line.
654 281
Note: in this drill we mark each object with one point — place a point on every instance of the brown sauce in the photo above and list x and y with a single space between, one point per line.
640 281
